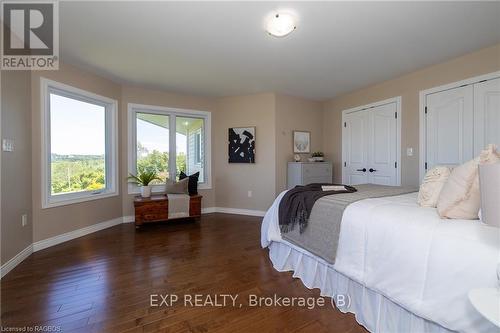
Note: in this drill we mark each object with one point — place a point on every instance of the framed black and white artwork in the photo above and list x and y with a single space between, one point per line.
241 145
301 142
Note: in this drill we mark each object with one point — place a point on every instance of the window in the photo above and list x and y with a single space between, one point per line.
188 146
153 143
153 146
78 145
197 147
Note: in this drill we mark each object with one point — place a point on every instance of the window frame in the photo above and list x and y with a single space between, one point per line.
197 147
111 136
134 108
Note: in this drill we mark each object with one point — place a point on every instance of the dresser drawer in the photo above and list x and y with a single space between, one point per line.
318 179
317 170
302 173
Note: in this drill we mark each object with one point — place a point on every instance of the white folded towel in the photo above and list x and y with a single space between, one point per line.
178 205
333 188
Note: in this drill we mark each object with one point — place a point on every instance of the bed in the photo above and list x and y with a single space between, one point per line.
403 268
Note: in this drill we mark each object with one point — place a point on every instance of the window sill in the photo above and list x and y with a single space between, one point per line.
76 200
204 186
133 189
159 189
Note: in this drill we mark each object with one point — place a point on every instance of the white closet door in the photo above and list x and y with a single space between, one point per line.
486 114
449 127
382 145
356 135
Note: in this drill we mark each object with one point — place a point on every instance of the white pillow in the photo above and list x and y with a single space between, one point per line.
460 196
432 185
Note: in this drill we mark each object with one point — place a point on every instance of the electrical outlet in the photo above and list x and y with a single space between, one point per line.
8 145
250 194
24 220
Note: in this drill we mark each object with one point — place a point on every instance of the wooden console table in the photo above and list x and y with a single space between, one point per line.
155 208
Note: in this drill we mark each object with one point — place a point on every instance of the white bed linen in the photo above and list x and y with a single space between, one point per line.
371 309
409 255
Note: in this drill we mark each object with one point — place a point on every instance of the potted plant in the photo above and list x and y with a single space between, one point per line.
143 179
318 156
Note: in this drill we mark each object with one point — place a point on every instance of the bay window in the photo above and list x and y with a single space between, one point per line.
155 145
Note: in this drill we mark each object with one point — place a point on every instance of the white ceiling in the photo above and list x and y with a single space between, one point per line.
221 49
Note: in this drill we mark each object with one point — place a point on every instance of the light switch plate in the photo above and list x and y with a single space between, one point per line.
7 145
409 151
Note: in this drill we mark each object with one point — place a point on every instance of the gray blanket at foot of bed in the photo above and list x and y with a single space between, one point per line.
321 236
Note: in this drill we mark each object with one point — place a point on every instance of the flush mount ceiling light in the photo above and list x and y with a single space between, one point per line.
280 24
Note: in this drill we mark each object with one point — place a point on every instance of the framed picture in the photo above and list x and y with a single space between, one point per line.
301 142
241 145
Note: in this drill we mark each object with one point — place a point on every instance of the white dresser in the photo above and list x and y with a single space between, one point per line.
303 173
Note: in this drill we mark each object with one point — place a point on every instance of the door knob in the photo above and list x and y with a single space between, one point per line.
364 170
372 170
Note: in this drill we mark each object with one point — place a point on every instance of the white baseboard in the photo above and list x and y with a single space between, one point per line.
45 243
239 211
129 219
208 210
16 260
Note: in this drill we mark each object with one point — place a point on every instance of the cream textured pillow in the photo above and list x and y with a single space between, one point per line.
432 185
460 197
180 187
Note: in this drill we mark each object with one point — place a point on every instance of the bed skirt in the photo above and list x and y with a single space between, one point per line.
372 310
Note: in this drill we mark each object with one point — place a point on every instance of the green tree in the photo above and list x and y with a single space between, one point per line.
180 162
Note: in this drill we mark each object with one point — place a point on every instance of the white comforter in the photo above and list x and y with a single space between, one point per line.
410 255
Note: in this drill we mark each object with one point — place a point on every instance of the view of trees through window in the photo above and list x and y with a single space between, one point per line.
74 173
78 144
158 161
153 144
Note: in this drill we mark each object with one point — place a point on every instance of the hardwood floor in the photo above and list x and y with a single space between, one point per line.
102 282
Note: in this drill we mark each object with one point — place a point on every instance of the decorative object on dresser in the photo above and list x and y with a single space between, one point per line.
303 173
241 147
301 142
155 209
318 156
143 179
489 185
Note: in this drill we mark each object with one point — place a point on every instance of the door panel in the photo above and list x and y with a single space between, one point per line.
371 144
382 145
449 127
355 148
486 114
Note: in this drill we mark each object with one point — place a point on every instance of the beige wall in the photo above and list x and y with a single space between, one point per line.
160 98
233 181
58 220
293 113
408 86
16 165
275 116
